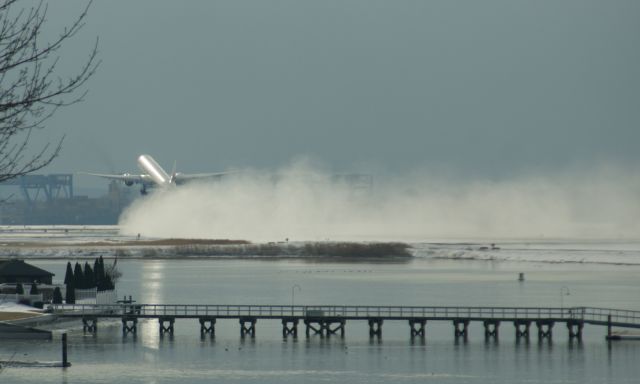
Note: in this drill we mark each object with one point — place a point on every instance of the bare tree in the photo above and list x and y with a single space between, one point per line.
30 88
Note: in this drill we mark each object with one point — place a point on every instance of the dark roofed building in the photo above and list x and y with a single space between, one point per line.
17 271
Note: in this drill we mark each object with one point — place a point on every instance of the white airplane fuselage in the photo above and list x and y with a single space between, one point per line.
155 172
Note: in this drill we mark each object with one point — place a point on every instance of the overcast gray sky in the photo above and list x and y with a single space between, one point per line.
486 88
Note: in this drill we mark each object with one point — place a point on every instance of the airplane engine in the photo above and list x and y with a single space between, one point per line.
127 182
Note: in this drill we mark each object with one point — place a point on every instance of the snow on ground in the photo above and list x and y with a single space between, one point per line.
15 307
625 252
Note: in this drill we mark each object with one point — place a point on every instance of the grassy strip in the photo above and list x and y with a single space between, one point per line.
319 249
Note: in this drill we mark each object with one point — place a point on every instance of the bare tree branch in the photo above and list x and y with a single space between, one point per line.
30 89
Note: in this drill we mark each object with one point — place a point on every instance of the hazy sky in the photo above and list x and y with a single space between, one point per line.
486 88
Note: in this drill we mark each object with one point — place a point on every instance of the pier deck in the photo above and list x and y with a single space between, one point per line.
330 319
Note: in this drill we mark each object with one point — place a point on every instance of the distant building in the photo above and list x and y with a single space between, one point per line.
51 200
17 271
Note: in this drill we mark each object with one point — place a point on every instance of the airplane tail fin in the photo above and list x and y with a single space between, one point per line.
172 179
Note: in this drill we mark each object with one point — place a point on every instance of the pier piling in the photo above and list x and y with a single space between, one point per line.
290 327
461 328
491 329
325 326
90 324
309 326
339 326
248 326
522 328
418 327
166 329
575 329
375 327
207 326
126 328
545 329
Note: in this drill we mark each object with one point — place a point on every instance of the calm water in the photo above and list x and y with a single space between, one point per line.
185 357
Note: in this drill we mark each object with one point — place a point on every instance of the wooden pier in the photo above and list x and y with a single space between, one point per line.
331 320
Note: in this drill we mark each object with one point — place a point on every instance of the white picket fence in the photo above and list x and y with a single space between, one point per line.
86 296
92 296
107 297
83 296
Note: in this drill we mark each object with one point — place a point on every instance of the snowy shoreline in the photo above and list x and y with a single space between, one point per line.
275 251
89 242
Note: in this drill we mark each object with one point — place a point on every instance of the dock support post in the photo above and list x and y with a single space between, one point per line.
309 326
375 327
461 328
290 329
210 328
575 329
545 329
90 324
522 328
339 327
250 329
65 362
166 329
418 327
609 333
491 329
324 326
126 328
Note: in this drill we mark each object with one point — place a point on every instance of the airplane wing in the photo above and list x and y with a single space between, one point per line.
127 178
154 176
185 177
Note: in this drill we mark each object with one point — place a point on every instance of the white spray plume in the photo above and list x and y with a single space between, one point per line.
303 203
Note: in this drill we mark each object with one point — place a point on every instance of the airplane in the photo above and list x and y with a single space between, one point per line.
155 176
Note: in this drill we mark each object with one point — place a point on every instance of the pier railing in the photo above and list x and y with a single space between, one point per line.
586 314
616 316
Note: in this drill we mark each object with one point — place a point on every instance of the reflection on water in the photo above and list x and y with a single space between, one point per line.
355 359
152 276
151 279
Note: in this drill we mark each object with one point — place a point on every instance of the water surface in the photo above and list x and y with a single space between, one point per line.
396 357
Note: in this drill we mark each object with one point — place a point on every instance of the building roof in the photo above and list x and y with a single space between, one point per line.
16 267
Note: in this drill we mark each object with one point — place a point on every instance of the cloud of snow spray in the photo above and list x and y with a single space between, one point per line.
304 203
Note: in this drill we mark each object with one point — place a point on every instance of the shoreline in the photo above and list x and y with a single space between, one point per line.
320 251
211 249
